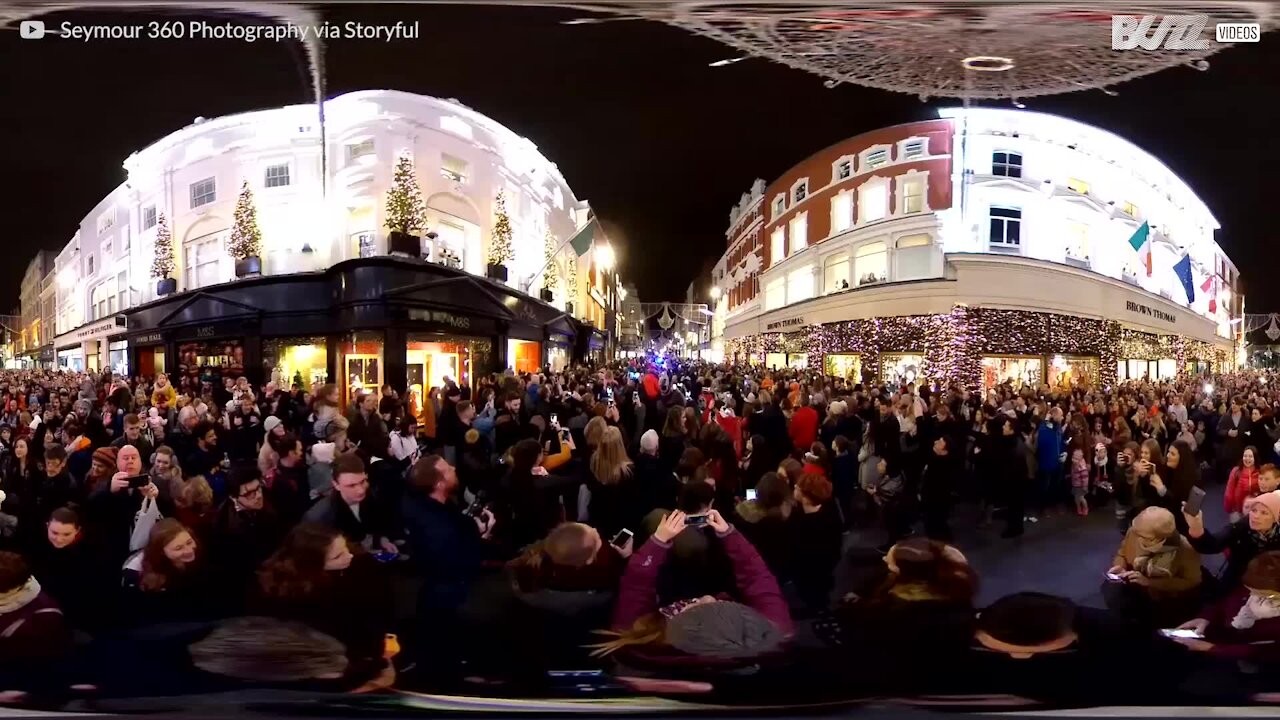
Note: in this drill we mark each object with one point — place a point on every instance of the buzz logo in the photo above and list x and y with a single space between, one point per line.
1174 32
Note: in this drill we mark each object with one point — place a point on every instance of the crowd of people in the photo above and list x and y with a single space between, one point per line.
640 520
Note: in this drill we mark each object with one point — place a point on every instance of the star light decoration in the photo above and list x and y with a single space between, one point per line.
938 48
953 344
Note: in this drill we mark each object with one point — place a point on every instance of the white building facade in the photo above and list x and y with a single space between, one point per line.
313 212
1007 228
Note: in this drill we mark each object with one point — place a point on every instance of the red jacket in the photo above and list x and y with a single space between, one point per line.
804 428
1240 487
638 596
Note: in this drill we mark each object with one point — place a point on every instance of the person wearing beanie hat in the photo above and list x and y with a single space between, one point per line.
271 423
102 466
706 631
1244 625
1158 572
1243 540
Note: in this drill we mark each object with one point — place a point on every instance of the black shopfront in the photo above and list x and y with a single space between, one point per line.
360 324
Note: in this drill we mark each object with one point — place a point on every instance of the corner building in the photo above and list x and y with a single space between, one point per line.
982 247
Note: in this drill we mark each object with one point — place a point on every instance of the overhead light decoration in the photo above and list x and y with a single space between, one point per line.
988 63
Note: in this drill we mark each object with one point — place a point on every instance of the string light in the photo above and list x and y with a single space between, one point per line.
953 344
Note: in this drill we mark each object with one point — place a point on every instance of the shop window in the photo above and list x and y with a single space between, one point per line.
1006 164
1068 371
775 293
1017 371
524 356
798 361
432 357
303 360
1167 368
871 263
841 212
873 201
205 363
844 365
900 368
775 361
360 362
835 275
799 232
800 285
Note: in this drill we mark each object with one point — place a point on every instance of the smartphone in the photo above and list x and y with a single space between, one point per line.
622 538
1194 501
385 556
139 481
751 494
1190 634
555 421
1114 578
695 520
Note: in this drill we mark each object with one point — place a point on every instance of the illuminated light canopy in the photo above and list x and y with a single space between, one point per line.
988 63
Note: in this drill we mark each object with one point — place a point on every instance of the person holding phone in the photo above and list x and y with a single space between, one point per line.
1154 578
1244 625
1243 540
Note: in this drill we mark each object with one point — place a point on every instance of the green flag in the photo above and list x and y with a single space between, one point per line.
581 242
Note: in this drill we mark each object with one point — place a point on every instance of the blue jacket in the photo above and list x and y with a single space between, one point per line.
446 548
1049 446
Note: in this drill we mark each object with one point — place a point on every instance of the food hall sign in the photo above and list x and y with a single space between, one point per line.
783 324
1151 312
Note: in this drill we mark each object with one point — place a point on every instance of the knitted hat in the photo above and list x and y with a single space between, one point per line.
1154 522
1270 501
1263 572
649 441
837 407
271 423
105 455
723 630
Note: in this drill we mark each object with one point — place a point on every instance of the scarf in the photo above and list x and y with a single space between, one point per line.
1156 562
1264 540
1254 609
18 598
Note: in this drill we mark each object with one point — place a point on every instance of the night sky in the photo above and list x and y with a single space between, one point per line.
661 144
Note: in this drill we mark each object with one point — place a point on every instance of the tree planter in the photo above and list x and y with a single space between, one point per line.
166 286
547 295
497 272
399 243
249 267
568 308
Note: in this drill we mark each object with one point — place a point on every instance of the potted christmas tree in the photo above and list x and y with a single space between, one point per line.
500 241
162 266
406 213
246 239
548 274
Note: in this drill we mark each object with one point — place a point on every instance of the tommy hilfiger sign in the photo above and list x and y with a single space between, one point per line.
1150 312
788 323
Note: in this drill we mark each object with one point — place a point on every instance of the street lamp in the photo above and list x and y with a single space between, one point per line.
715 292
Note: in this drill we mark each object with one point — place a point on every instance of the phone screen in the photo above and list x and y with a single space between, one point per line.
139 481
621 538
1113 577
696 520
555 420
751 494
1181 634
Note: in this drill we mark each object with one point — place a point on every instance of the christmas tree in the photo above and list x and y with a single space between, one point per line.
162 266
297 379
406 212
500 252
246 238
549 255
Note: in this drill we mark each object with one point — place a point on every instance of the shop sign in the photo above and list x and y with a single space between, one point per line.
204 332
96 330
558 339
783 324
154 338
1150 312
458 322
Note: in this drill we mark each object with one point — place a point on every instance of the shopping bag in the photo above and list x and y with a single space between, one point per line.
147 517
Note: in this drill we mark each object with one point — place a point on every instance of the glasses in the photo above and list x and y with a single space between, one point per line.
257 490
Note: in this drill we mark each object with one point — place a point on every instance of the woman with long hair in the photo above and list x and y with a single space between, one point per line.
170 580
755 461
1242 484
708 632
530 499
316 577
673 440
612 499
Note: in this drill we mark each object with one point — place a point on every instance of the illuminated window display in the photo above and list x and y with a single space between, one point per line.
524 356
304 359
775 361
430 357
1017 370
360 358
1067 371
797 361
900 368
208 362
845 365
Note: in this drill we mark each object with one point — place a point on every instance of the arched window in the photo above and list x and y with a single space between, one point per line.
871 263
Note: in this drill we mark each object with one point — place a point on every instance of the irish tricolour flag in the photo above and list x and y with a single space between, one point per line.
1141 242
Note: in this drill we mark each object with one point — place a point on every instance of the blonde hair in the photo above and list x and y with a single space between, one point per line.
610 463
593 431
566 545
649 629
194 494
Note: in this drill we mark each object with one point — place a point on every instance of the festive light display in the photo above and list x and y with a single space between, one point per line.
406 213
953 345
548 255
246 238
163 264
500 251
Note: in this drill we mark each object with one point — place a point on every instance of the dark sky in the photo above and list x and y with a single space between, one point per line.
660 143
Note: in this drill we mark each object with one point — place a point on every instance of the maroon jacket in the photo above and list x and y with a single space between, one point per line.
36 631
638 595
1260 643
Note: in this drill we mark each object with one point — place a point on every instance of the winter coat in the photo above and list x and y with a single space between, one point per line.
1049 446
769 534
1242 484
1259 643
1241 545
803 429
816 541
1183 576
445 548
